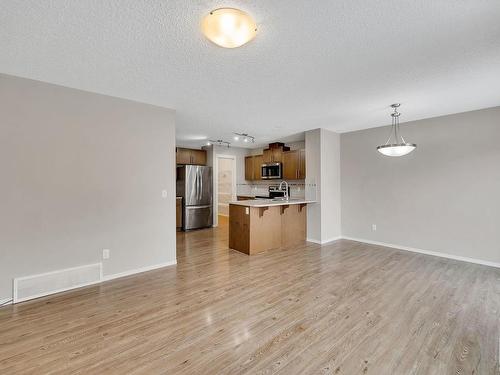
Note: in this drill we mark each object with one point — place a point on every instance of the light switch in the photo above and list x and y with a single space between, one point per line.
105 253
164 193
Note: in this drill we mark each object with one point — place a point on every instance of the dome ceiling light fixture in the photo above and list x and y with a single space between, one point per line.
399 147
229 27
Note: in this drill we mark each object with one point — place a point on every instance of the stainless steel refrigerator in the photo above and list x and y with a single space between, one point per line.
194 185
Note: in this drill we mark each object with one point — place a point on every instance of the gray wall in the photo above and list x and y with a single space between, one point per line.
444 197
81 172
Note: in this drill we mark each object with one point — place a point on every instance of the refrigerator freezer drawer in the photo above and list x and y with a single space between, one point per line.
197 217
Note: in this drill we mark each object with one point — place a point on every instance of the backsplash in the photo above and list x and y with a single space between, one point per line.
297 189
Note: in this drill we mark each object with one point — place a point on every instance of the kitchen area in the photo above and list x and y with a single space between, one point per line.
266 206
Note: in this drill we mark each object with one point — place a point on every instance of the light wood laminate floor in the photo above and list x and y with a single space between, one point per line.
343 308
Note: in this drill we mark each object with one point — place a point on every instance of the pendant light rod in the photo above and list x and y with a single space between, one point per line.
400 147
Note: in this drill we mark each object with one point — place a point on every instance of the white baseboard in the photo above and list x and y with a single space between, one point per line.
138 270
5 301
426 252
323 242
101 279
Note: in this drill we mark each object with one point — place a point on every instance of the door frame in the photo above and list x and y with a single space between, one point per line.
216 183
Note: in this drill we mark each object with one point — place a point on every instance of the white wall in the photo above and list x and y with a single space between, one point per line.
313 184
82 172
443 197
239 154
323 185
330 186
226 183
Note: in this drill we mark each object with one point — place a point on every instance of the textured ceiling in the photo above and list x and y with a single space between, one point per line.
332 64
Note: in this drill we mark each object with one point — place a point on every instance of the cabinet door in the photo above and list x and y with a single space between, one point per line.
302 164
199 157
257 164
183 156
249 171
277 155
267 157
178 213
290 165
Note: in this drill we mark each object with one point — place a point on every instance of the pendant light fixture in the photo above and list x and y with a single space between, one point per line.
229 27
399 146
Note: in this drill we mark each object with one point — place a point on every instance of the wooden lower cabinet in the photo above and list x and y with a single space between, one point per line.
293 224
256 229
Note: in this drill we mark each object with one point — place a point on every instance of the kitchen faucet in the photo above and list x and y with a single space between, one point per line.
286 189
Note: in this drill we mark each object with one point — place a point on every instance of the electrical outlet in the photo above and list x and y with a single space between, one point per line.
374 227
105 253
164 193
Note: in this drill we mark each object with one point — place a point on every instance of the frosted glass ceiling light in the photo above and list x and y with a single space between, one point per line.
229 27
399 147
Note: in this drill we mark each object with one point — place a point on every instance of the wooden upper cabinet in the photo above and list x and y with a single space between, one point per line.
249 170
277 155
273 155
257 164
290 165
183 156
294 165
267 156
199 157
302 164
252 167
191 156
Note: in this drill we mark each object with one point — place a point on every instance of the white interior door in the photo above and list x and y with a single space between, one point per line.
226 183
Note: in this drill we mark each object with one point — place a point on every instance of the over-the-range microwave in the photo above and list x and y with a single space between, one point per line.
271 171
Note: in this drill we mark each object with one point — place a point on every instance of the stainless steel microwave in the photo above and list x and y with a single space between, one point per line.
271 171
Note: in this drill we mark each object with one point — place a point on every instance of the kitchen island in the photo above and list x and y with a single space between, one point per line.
264 224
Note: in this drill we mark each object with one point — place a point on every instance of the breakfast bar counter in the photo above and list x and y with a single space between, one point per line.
264 224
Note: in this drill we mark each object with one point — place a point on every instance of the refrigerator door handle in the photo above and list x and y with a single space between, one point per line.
196 207
200 184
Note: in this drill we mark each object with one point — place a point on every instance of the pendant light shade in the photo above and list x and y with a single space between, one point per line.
229 27
398 147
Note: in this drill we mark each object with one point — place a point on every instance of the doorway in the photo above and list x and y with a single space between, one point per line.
225 187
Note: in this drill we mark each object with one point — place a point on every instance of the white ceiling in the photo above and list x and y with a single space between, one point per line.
331 64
